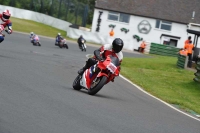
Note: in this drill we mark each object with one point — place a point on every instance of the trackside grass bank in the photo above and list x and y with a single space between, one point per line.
28 26
161 77
157 75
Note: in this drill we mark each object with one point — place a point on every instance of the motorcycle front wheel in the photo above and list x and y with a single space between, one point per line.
97 85
39 44
76 84
66 46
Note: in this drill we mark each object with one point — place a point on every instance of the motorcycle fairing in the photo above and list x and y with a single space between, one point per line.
88 76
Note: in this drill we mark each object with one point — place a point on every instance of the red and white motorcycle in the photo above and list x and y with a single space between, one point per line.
1 30
94 78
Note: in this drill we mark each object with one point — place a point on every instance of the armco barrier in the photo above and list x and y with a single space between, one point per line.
197 74
164 50
182 61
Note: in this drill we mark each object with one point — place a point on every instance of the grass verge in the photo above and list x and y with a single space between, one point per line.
158 76
161 77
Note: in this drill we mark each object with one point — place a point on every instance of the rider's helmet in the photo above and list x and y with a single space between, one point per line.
6 15
81 36
59 34
117 45
32 33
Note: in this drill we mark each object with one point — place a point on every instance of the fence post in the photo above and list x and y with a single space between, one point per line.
182 61
197 74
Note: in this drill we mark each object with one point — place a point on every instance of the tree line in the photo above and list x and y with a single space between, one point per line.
78 12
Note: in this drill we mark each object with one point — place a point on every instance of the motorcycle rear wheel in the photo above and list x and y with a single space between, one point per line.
76 84
100 82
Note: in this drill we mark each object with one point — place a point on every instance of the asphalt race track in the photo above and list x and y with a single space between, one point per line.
36 95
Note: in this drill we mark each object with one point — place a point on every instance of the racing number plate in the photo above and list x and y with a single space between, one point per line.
112 67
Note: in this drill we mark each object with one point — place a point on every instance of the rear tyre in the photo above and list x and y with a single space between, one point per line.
76 84
96 86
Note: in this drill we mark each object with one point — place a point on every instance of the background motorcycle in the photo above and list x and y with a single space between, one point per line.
62 44
94 78
37 41
83 46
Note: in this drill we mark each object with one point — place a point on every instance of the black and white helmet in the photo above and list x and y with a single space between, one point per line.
117 45
32 33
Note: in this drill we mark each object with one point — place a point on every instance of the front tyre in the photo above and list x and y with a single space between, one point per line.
76 84
97 85
66 46
39 44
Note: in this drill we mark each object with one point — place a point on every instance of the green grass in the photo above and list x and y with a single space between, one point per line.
161 77
38 28
28 26
158 75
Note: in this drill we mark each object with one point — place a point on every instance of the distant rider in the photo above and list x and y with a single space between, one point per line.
33 37
4 20
100 54
79 41
58 38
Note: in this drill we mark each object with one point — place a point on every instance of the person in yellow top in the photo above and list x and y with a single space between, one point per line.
112 33
190 48
142 46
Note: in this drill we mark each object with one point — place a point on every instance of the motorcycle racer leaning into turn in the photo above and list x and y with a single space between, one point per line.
100 54
33 37
58 38
5 22
79 41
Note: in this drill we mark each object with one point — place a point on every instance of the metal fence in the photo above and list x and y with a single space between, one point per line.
72 11
197 74
165 50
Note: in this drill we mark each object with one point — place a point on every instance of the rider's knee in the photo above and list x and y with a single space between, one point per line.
1 38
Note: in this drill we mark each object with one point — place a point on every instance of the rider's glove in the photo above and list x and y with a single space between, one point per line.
100 58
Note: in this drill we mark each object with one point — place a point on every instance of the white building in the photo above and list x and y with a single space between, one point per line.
158 21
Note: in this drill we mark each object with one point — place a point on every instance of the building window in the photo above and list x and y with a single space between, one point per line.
164 25
169 40
113 16
121 17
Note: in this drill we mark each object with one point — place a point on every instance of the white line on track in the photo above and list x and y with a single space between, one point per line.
139 88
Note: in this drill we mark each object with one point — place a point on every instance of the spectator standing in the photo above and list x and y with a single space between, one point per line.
142 46
190 47
187 41
112 33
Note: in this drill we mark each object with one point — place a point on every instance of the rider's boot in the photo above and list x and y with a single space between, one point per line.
1 39
82 70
